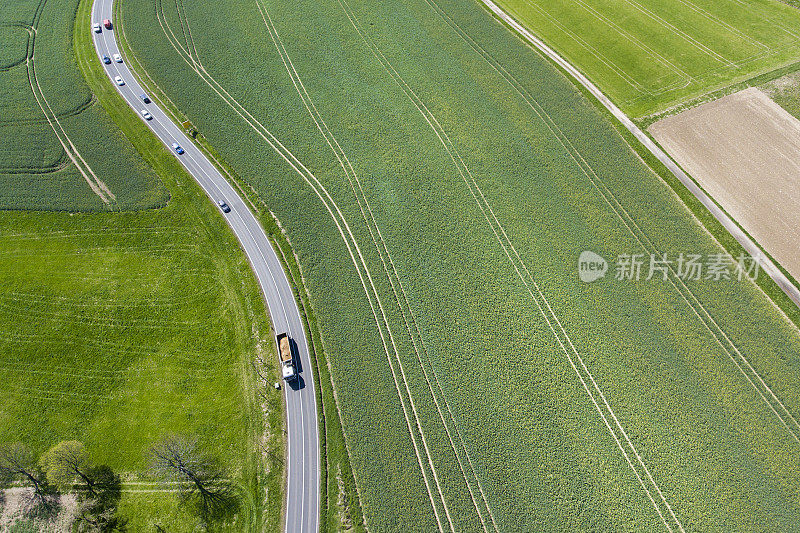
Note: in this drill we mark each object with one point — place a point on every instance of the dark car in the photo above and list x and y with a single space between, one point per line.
106 60
225 207
177 148
107 24
145 98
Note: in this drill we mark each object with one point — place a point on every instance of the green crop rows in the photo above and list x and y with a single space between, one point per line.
58 149
438 180
648 55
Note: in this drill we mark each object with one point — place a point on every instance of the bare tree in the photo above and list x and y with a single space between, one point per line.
178 459
67 461
17 461
98 510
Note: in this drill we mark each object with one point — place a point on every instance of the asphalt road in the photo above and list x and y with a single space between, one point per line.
303 454
747 243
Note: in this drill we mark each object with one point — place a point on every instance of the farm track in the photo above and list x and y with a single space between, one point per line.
344 231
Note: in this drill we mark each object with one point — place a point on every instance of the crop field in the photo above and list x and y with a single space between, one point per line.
118 329
741 149
438 181
58 149
648 55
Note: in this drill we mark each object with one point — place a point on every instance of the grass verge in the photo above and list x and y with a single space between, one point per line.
340 498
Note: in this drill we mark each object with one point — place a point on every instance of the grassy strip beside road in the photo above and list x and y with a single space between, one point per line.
340 498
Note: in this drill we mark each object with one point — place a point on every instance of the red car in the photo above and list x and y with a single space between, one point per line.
107 24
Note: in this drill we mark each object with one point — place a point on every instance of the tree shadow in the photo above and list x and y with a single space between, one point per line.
218 502
44 507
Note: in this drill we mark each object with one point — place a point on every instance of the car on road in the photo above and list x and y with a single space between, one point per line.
106 60
225 207
146 114
97 28
144 98
107 24
119 81
118 58
177 148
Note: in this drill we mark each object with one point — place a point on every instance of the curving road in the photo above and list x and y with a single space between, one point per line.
303 454
742 238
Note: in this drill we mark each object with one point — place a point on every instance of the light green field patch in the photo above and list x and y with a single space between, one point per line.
648 54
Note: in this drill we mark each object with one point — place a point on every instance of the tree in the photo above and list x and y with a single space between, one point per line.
177 458
65 462
17 462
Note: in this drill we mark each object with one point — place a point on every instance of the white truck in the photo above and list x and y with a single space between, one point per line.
287 361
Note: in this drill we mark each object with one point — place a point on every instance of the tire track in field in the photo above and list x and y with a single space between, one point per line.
589 48
199 64
679 33
713 18
750 6
342 227
728 346
603 407
95 183
645 48
383 252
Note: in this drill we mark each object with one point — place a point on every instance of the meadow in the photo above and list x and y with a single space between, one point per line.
121 328
59 150
649 55
438 181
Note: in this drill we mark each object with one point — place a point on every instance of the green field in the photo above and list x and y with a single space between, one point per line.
59 150
648 55
119 328
450 179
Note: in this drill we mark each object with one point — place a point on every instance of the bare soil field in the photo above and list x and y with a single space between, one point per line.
744 150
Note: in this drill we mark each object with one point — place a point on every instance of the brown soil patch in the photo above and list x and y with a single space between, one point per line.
744 150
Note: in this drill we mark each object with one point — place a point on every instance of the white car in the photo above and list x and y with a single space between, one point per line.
117 58
97 28
146 114
119 81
